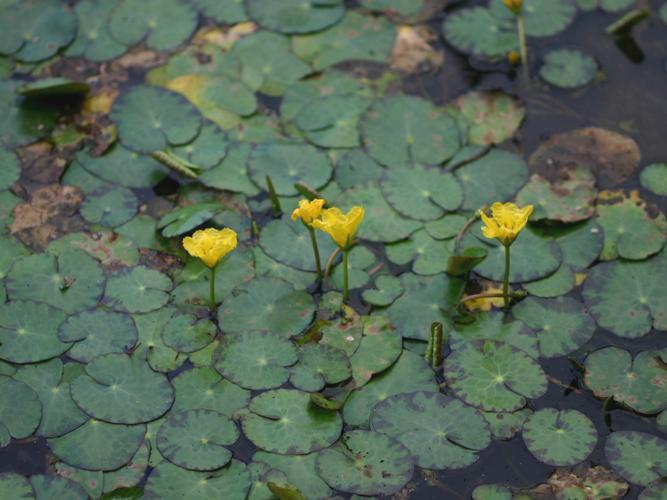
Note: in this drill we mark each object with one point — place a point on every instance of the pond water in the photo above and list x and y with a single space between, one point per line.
129 385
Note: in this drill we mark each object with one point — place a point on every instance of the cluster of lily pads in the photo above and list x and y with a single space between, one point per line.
107 347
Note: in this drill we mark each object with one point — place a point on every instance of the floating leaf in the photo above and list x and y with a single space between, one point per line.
138 289
299 470
366 463
319 365
20 409
568 68
22 122
559 438
506 425
150 345
232 173
491 492
223 11
542 17
606 5
378 349
10 168
186 333
639 457
56 487
654 177
285 421
494 376
93 41
109 207
478 32
295 16
130 475
638 383
208 149
204 388
53 87
490 117
183 220
387 289
441 432
428 255
122 166
14 485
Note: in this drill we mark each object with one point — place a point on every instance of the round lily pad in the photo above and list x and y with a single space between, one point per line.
71 281
299 470
477 31
150 345
97 332
50 486
10 168
491 492
88 446
109 206
185 333
132 473
93 41
124 167
232 173
654 178
223 11
562 325
505 425
182 220
639 457
23 122
542 17
34 31
14 485
490 117
568 68
403 130
366 463
494 376
638 383
386 290
285 421
162 24
560 438
379 347
288 164
441 432
20 409
204 388
332 121
196 439
208 149
420 193
626 298
255 360
428 255
319 364
295 16
151 118
123 390
138 289
266 305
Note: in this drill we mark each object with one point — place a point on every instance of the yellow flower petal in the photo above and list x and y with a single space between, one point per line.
308 211
210 245
506 221
341 227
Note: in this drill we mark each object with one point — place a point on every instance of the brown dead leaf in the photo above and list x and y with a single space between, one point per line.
413 52
597 483
224 38
143 59
611 156
42 163
50 213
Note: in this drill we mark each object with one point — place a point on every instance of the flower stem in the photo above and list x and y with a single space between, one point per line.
523 48
316 250
506 280
346 278
212 290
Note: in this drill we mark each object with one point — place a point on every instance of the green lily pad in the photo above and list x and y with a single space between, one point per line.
404 10
478 32
287 164
107 246
71 281
20 408
88 446
48 486
657 491
28 332
232 173
59 414
361 262
420 193
124 167
204 388
150 345
319 365
196 439
91 481
632 229
479 178
285 421
34 31
208 149
428 255
14 485
97 332
562 325
639 457
409 373
167 481
446 227
10 168
638 383
7 204
568 68
654 177
379 348
267 64
625 297
505 425
386 290
403 130
255 360
110 207
53 87
299 470
131 474
186 333
23 121
366 463
356 37
137 290
491 492
381 223
184 219
441 432
542 17
490 117
122 390
151 118
161 24
606 5
223 11
295 16
93 41
424 301
559 438
266 305
494 376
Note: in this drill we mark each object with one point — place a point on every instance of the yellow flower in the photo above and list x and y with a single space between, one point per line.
506 222
308 210
514 6
341 227
210 245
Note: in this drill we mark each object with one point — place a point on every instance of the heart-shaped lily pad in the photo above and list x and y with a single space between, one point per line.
299 470
477 31
285 421
441 432
505 425
186 333
568 68
494 376
654 178
204 388
122 390
638 383
20 408
196 439
11 168
14 485
637 456
379 347
295 16
366 463
122 166
542 17
48 486
428 255
23 122
489 117
386 290
150 346
94 41
223 11
109 206
138 289
208 149
559 438
232 173
319 364
132 473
